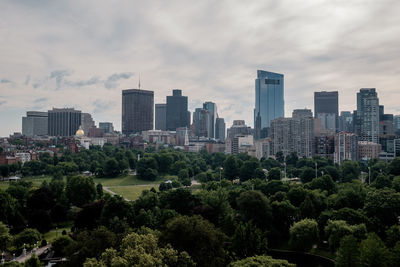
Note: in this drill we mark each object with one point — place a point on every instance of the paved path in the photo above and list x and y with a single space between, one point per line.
112 192
38 252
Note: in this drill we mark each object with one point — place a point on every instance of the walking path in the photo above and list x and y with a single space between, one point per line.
37 252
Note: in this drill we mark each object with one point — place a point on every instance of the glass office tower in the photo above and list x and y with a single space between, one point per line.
137 111
270 102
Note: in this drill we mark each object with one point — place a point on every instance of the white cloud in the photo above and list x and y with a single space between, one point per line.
82 53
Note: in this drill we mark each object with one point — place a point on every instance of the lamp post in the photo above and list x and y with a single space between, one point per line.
220 171
316 170
369 175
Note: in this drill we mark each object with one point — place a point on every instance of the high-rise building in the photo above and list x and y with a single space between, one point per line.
35 123
346 147
326 108
220 129
212 109
396 121
367 115
293 134
161 117
269 101
177 112
63 121
302 113
87 122
137 111
239 127
107 127
202 122
346 121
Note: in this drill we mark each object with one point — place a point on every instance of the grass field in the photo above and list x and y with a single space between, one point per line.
132 192
36 181
129 186
53 234
125 180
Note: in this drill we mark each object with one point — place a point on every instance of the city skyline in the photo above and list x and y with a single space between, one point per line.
60 57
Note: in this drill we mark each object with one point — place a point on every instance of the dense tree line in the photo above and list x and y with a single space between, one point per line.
243 209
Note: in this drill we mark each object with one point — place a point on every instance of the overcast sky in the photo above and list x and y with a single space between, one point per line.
82 53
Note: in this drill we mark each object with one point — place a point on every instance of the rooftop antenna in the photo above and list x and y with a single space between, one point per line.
139 81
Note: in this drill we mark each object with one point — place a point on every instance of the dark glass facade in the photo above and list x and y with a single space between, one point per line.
177 111
269 101
326 103
63 121
161 117
137 111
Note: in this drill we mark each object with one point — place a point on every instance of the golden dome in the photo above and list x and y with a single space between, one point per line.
80 132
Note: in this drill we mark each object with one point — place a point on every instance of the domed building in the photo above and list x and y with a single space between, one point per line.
80 132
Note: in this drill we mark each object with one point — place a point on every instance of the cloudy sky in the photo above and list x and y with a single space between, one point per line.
82 53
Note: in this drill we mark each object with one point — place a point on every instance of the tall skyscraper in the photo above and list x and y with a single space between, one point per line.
212 109
35 123
269 101
87 122
137 111
396 121
161 117
177 111
202 122
107 127
63 121
220 129
326 108
346 121
368 115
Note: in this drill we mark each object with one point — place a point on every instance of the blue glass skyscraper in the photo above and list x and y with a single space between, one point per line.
270 102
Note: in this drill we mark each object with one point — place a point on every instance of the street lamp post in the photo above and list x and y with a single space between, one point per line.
220 171
316 170
369 175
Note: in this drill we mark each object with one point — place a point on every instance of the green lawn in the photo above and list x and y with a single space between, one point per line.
36 181
125 180
53 234
132 192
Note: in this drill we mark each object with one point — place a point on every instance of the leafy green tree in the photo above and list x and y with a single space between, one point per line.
147 169
164 161
396 183
274 174
247 171
307 174
28 236
349 171
8 206
266 261
111 168
373 252
231 168
68 167
255 207
4 170
60 244
198 237
5 237
33 261
304 234
348 254
248 240
382 207
324 183
280 157
80 190
382 181
394 166
392 236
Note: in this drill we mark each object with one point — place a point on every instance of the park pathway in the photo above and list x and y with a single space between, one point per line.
37 252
